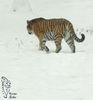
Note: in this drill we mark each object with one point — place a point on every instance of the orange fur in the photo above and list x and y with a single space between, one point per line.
53 29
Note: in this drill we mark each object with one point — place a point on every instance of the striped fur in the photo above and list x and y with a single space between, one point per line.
53 29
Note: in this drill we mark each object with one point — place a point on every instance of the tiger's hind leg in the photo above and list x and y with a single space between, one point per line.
69 40
42 46
72 46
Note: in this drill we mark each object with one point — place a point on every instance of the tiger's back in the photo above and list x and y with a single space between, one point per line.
53 29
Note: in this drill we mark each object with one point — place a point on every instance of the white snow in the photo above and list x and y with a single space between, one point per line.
34 74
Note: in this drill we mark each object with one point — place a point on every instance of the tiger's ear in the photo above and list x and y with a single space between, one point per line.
28 21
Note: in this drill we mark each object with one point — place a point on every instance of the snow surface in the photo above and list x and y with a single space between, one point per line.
34 74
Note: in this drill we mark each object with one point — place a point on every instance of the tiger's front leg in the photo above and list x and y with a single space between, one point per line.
42 46
58 40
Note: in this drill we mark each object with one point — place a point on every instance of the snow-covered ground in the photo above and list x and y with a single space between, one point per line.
34 74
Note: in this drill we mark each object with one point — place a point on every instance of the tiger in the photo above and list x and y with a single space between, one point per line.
54 29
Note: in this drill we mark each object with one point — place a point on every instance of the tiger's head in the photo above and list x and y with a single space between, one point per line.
29 27
32 25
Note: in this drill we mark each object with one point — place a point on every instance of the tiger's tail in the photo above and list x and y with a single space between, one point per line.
79 40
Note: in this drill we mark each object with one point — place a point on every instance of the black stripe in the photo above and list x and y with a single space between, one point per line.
44 41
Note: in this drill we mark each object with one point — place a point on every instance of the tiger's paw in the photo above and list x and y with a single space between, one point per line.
46 49
57 50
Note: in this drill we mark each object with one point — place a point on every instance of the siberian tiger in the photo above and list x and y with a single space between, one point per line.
53 29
